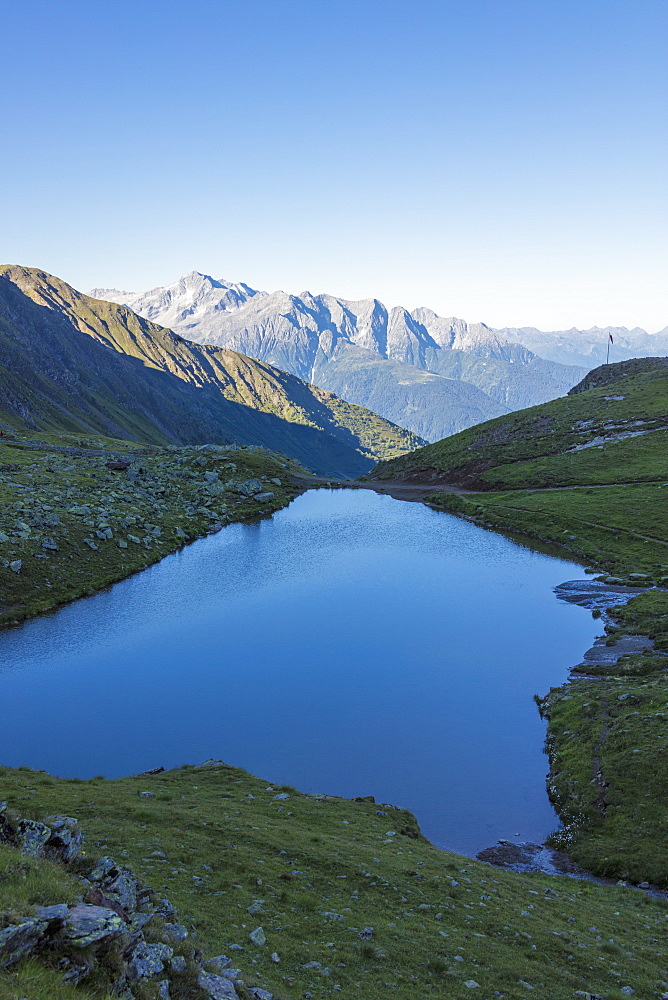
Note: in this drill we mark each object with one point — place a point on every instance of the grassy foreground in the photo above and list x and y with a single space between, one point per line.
70 524
314 872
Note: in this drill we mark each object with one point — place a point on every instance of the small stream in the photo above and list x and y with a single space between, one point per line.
351 644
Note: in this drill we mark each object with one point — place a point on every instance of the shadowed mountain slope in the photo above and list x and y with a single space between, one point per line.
72 363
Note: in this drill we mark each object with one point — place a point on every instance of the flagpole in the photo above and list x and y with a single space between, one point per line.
607 357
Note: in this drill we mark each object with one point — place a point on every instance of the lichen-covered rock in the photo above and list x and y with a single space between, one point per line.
102 869
217 987
249 487
124 890
66 837
258 937
20 940
32 837
87 924
148 960
176 932
165 908
220 963
55 914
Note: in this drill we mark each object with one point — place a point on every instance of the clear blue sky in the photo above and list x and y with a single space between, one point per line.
500 160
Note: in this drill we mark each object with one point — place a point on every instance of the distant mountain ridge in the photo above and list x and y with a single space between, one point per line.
363 351
69 362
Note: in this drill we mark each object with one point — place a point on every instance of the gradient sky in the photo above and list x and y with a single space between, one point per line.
500 160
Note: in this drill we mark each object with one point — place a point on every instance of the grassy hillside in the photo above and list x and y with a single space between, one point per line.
614 431
70 523
79 365
606 503
314 872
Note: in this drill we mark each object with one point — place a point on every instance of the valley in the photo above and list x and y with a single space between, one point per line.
107 467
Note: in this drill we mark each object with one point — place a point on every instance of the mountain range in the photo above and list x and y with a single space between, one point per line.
73 363
435 375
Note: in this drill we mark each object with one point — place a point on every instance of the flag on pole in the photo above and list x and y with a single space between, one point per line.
611 340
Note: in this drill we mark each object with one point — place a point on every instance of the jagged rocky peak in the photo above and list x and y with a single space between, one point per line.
186 301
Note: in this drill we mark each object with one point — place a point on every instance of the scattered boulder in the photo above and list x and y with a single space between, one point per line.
258 937
220 963
66 838
178 933
32 837
217 987
87 924
148 960
250 487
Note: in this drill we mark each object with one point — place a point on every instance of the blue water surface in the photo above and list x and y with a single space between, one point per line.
351 644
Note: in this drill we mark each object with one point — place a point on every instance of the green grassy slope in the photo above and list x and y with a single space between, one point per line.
316 871
76 364
606 503
583 438
76 525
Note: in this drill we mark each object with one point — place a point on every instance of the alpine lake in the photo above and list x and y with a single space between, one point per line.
352 644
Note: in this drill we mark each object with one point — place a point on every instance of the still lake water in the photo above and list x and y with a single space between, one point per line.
352 644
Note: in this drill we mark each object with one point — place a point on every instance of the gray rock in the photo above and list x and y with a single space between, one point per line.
147 795
102 869
627 991
87 924
139 920
258 937
76 973
282 797
15 565
165 908
177 933
124 890
366 933
32 837
259 994
148 960
49 543
263 497
163 989
220 963
20 940
217 987
178 964
53 914
249 487
66 837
